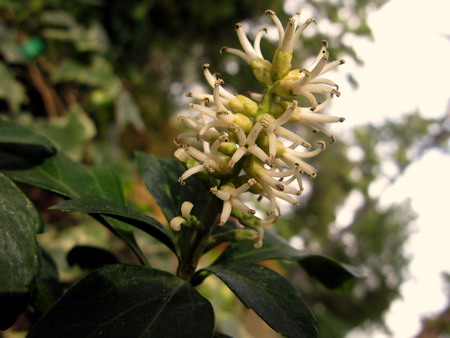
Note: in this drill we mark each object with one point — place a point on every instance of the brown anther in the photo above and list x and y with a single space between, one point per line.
269 12
279 186
237 26
218 82
336 92
341 119
205 66
223 49
222 112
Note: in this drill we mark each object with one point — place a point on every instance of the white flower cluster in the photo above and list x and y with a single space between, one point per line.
242 142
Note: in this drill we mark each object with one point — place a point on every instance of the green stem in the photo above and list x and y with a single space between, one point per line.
200 240
266 102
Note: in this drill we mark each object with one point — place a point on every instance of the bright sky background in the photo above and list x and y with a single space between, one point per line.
406 68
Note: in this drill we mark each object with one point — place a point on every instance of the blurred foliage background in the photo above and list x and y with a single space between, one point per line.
103 78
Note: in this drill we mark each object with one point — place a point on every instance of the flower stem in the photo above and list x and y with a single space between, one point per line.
200 240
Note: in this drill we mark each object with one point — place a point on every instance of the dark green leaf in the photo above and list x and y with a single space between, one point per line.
68 178
161 175
11 132
90 258
20 256
271 296
329 272
21 148
48 288
97 205
125 300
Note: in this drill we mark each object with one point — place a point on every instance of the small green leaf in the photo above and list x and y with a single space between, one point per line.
126 300
271 296
97 205
72 179
20 256
329 272
161 175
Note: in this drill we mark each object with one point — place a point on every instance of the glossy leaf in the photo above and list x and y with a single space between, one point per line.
68 178
20 255
125 300
271 296
161 175
329 272
97 205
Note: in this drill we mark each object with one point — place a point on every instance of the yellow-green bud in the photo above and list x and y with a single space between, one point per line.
263 142
262 69
283 87
281 65
243 105
278 108
227 148
243 121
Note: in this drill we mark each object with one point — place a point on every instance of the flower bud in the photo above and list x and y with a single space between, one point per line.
281 65
262 71
243 105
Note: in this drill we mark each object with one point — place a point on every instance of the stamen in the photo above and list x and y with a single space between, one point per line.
215 146
190 172
186 209
291 136
223 195
236 52
244 187
331 66
300 29
237 156
246 45
226 212
257 42
242 207
278 24
287 114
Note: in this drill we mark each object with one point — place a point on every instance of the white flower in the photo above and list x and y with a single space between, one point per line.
177 221
236 138
229 195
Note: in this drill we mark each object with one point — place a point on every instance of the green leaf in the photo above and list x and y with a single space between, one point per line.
97 205
48 288
271 296
329 272
90 257
13 133
11 90
71 132
71 179
20 255
161 175
126 300
127 111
